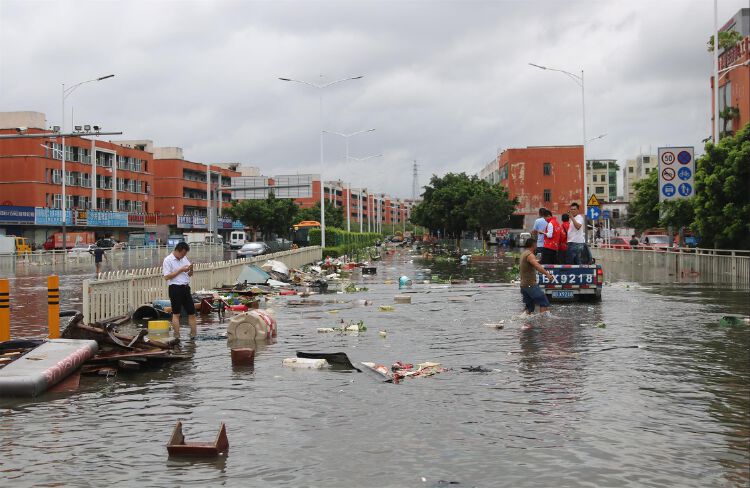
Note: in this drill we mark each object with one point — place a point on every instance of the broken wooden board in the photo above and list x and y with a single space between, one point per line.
178 447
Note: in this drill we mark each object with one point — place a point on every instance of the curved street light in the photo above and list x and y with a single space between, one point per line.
320 87
65 94
578 80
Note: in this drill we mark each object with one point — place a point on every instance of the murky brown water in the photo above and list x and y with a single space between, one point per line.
660 397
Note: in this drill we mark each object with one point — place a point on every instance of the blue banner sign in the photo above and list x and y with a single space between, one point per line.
98 218
191 222
16 215
51 216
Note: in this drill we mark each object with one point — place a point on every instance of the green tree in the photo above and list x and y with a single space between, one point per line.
334 214
269 216
722 195
644 211
678 213
489 207
457 202
727 39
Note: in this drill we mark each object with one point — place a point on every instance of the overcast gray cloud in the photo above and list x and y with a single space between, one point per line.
446 83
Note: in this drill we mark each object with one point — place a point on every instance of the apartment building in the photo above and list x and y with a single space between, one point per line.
539 176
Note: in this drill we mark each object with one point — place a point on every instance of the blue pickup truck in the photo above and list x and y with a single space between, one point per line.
572 282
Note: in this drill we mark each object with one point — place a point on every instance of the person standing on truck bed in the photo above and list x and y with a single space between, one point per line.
575 235
539 229
530 291
177 271
551 239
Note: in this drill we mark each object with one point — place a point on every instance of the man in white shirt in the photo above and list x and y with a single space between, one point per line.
576 239
177 271
540 229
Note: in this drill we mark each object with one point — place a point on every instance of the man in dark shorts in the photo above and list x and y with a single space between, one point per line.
99 256
177 271
530 291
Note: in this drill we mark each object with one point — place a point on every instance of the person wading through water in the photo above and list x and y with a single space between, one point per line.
530 291
177 271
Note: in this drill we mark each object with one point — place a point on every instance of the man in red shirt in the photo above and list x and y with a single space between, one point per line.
562 252
551 239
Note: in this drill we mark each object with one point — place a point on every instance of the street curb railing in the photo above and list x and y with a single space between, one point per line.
117 293
721 266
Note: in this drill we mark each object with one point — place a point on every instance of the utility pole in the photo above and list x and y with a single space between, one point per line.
415 182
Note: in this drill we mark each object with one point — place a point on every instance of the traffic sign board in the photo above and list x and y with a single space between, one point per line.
593 201
667 157
606 214
684 157
593 213
668 190
676 180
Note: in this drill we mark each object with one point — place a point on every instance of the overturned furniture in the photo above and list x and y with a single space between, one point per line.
178 447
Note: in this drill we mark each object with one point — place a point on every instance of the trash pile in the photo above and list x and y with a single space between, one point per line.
118 351
400 371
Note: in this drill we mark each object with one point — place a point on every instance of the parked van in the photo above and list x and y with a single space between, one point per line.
237 239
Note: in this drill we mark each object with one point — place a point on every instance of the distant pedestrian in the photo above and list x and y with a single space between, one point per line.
99 256
539 229
634 242
177 270
576 240
551 239
532 294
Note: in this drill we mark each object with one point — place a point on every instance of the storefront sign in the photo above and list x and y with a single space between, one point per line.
51 216
16 215
191 222
107 219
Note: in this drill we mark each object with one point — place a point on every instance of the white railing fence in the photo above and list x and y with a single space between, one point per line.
117 293
721 266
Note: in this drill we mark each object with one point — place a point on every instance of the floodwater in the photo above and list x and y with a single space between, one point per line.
658 397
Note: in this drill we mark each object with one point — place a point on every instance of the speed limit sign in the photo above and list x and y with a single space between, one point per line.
667 157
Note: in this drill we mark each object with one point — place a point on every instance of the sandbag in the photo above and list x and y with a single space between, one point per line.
253 325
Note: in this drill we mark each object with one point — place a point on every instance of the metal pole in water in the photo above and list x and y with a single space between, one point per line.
4 310
53 306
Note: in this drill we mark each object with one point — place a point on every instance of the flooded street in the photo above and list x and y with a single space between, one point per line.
658 397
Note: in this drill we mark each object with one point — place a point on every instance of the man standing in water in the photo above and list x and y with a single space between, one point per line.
530 291
177 271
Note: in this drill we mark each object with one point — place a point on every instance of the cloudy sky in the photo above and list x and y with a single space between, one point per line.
446 83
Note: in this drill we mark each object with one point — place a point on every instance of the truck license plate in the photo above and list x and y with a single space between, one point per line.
562 294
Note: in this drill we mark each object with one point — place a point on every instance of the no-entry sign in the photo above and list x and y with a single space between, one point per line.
676 173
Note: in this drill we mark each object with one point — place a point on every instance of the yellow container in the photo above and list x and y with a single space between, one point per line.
158 325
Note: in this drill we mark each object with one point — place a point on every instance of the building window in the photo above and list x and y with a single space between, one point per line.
57 201
503 173
648 170
138 206
615 213
630 169
599 189
56 177
547 169
547 195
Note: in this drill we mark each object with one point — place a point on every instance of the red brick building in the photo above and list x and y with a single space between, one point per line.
540 176
119 180
734 81
180 186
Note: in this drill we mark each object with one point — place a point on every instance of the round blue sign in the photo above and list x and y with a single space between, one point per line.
668 190
593 213
685 189
684 173
684 157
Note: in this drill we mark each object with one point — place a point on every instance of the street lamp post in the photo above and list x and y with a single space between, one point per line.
320 88
578 80
357 159
346 138
65 93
